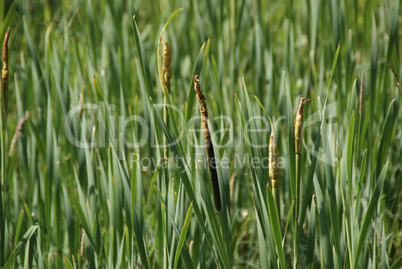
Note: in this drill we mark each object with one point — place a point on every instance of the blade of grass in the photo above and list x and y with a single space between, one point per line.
7 20
83 219
369 214
311 236
183 234
275 226
18 248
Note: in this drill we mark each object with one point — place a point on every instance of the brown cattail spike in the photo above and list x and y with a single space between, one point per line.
82 248
4 71
167 69
273 161
208 143
17 132
298 122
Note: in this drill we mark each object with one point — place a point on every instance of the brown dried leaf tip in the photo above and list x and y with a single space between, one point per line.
398 82
273 161
167 69
208 143
4 71
298 122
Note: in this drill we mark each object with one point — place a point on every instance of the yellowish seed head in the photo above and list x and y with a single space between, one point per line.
298 122
273 161
167 68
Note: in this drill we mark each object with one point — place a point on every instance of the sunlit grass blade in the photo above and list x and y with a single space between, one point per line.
67 263
308 184
276 228
387 133
7 20
183 235
19 247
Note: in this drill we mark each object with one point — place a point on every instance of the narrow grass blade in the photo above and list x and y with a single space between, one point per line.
18 229
18 248
83 220
369 214
311 236
7 20
333 67
183 235
67 263
288 219
387 132
276 228
325 237
261 242
308 186
397 264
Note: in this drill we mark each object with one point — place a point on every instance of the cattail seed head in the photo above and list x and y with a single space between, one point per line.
203 110
273 161
82 245
208 143
298 122
17 132
5 49
167 69
4 71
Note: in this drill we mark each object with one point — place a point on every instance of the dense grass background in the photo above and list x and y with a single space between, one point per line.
65 206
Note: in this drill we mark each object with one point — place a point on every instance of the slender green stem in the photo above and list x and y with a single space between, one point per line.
166 119
297 186
3 176
275 193
3 171
166 177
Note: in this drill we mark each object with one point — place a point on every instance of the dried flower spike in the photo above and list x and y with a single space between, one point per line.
273 160
208 143
167 69
4 71
82 245
17 132
298 122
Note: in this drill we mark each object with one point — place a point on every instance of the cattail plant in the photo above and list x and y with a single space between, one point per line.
4 73
166 76
273 161
17 132
298 122
167 69
273 165
3 120
208 143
